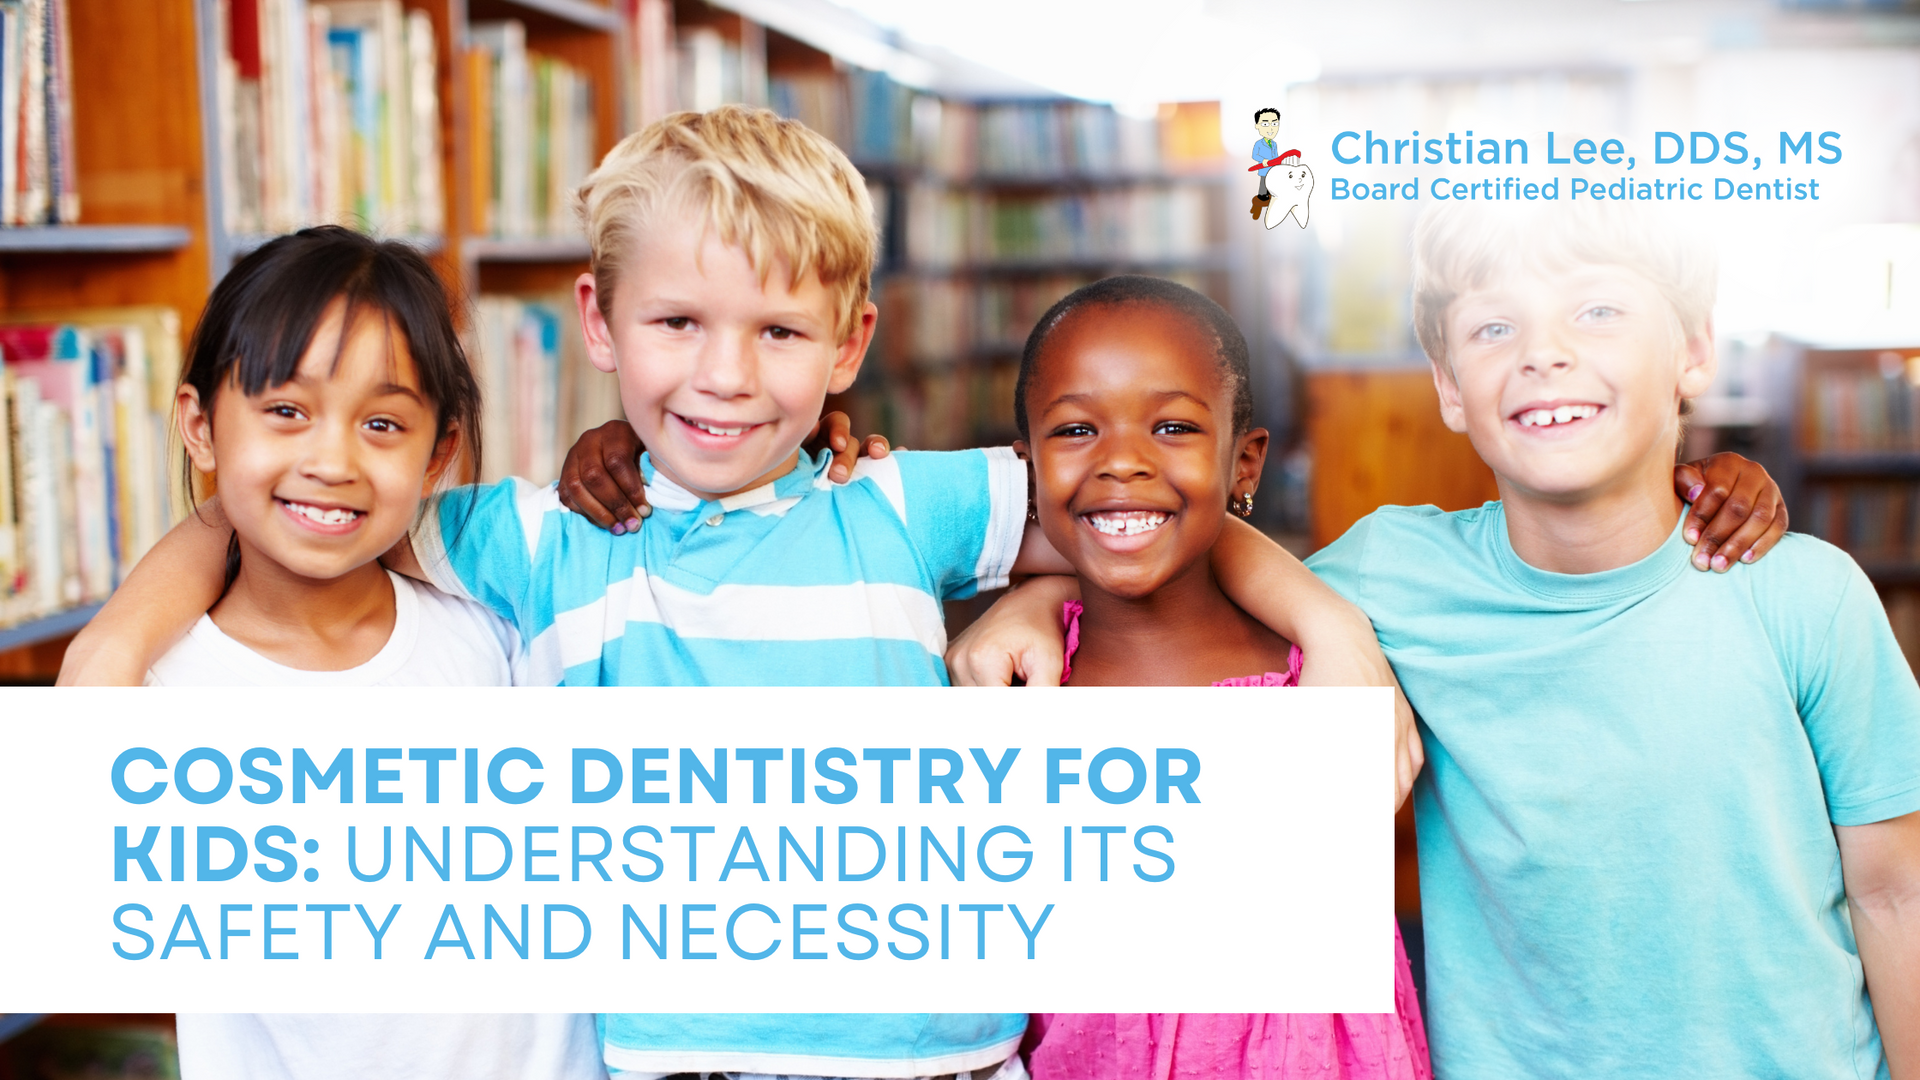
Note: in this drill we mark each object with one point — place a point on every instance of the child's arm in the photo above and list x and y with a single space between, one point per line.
1021 633
165 594
1335 636
1881 866
1738 514
175 583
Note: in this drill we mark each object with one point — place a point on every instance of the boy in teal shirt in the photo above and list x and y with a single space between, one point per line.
1637 857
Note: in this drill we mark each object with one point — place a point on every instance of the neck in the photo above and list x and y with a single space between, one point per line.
1172 635
1602 530
309 623
786 466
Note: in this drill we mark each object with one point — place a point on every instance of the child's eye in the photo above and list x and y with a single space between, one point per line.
1175 427
1600 311
1496 331
285 412
781 333
385 425
1073 431
676 322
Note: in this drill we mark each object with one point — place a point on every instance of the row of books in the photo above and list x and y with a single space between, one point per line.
879 122
532 131
38 183
948 409
931 323
1851 409
329 112
538 389
1874 521
84 484
947 227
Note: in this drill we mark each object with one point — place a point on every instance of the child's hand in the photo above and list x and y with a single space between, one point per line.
1738 514
1019 635
601 477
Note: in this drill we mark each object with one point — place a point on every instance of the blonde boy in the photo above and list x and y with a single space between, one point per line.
1644 850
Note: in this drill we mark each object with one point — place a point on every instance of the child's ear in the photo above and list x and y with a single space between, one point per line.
1452 412
444 456
1249 460
846 362
593 325
1699 363
196 428
1021 450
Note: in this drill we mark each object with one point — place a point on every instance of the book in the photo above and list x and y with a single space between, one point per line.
330 113
85 398
538 390
541 134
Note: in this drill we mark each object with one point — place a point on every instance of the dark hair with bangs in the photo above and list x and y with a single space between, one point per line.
1212 320
262 316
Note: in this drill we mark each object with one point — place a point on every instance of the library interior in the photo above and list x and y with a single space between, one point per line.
145 145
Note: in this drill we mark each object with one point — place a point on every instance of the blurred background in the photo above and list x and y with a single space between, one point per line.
1014 151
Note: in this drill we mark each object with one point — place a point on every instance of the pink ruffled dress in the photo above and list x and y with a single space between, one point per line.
1232 1046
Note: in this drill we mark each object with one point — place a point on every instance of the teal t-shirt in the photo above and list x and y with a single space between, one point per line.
1627 862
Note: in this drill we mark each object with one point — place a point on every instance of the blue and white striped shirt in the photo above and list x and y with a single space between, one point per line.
800 581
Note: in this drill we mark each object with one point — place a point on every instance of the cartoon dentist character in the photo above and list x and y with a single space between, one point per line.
1265 152
1292 182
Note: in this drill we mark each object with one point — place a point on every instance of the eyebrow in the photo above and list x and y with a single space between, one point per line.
1164 395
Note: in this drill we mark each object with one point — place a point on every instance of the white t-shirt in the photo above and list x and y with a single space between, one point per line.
514 1046
438 640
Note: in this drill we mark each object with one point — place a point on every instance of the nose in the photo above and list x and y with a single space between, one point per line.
1547 354
330 456
728 367
1126 456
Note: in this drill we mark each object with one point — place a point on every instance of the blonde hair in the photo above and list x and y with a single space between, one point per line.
771 187
1459 246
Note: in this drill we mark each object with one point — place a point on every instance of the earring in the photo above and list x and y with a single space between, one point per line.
1242 505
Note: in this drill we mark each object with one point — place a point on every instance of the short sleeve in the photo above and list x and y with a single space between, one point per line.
1340 563
965 512
478 543
1861 707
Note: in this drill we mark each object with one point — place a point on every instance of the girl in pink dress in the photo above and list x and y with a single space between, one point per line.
1135 412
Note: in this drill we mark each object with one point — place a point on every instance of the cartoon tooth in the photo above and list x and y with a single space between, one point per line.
1292 186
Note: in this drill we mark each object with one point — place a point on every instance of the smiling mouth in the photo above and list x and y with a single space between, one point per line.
724 431
333 517
1126 522
1560 414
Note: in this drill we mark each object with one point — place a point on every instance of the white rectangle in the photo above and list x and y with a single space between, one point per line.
1278 899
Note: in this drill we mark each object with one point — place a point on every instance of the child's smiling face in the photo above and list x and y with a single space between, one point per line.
1132 444
1569 380
325 472
722 376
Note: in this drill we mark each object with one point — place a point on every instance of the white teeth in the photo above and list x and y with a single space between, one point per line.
324 517
711 430
1560 415
1127 523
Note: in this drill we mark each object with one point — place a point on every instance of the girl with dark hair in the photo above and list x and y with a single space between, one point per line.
325 396
1135 411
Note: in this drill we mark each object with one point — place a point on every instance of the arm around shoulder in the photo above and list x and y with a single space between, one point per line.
165 594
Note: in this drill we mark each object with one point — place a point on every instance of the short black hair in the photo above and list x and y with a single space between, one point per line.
1258 113
1212 320
261 317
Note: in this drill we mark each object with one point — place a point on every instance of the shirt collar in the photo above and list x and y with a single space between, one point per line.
664 494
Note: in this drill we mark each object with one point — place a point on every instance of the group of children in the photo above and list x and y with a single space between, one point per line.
1670 822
